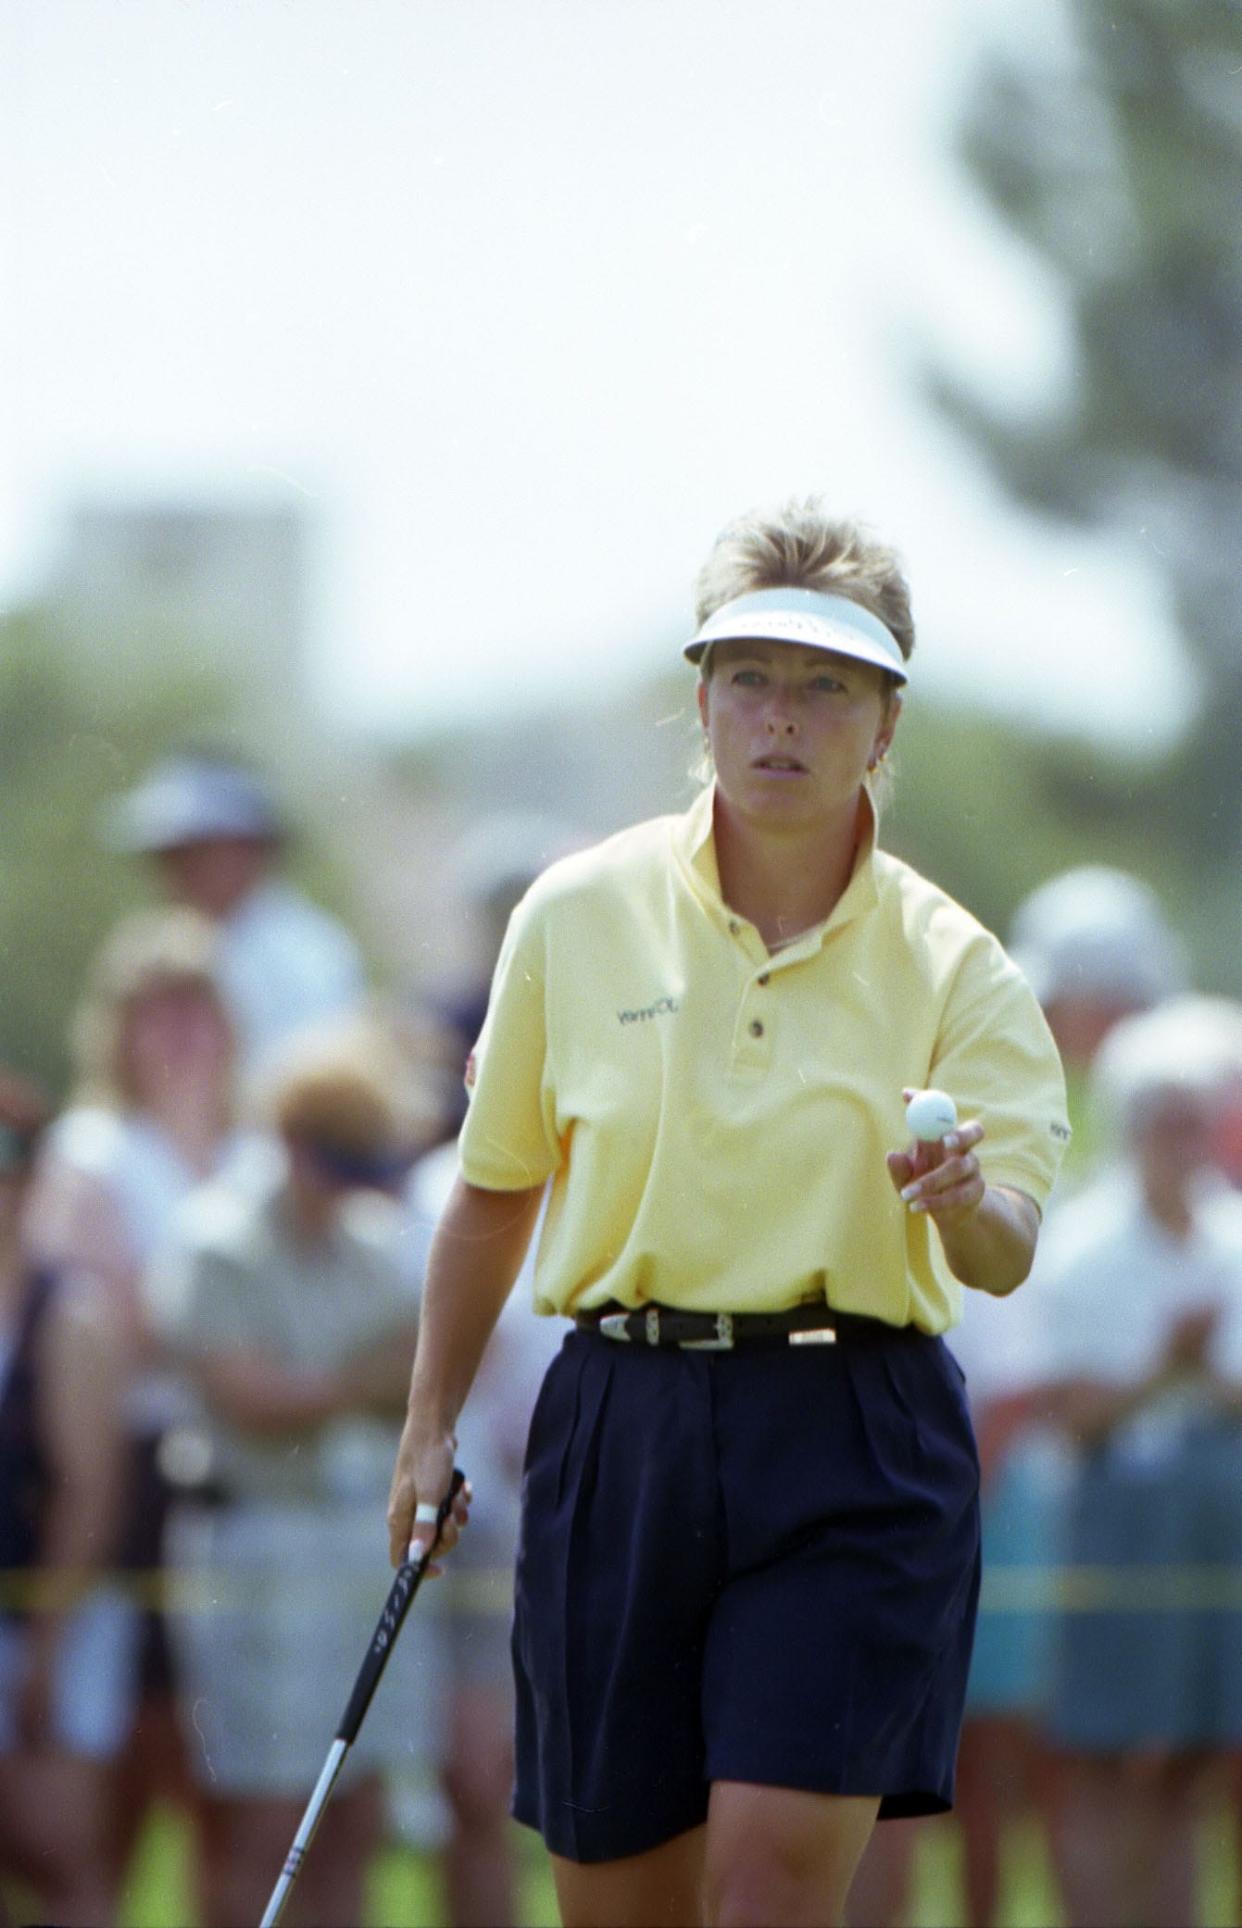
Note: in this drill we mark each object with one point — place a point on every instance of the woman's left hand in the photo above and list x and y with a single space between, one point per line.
943 1178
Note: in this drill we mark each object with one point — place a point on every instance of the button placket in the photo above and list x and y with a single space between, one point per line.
751 1036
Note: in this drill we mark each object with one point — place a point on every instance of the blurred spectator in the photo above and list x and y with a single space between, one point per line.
493 867
1003 1774
151 1117
476 1591
1096 947
1142 1275
1223 1018
211 826
289 1307
64 1697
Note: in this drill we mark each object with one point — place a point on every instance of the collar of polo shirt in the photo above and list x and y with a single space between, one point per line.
811 617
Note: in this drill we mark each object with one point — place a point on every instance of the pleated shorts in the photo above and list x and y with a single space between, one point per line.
757 1566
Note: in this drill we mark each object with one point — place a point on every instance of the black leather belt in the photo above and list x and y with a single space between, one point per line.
662 1325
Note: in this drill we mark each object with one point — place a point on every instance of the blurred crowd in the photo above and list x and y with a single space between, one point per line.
211 1260
1103 1729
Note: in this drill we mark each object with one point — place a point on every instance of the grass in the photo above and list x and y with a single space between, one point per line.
404 1885
405 1889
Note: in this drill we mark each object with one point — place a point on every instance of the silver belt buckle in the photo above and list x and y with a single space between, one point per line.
723 1342
816 1336
612 1325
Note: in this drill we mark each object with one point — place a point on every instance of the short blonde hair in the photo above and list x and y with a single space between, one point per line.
153 950
800 545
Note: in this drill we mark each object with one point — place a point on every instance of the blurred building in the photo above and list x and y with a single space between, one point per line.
218 590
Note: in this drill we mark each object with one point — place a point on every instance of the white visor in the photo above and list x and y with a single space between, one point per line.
805 616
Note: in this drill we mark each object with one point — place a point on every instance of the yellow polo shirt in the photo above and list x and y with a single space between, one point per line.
714 1117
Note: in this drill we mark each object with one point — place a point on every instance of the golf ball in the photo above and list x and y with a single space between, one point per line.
930 1114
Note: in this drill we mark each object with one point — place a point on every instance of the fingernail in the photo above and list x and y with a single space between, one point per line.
950 1143
416 1551
911 1191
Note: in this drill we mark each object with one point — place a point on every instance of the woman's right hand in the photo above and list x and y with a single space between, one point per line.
422 1476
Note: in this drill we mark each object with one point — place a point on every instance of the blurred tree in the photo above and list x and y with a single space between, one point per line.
69 745
66 751
1113 146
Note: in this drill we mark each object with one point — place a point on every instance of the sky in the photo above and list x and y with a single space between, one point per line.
523 300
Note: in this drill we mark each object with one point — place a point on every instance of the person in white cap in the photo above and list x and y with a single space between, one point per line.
748 1566
1096 945
216 836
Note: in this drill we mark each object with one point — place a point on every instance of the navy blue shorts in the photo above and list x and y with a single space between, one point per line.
760 1566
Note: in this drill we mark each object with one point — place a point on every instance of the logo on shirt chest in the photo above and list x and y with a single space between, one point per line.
662 1008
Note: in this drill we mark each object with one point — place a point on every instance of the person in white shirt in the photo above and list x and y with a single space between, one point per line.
152 1115
1141 1275
1096 946
290 1310
213 829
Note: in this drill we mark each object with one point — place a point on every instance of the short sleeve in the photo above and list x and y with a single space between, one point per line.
509 1141
997 1057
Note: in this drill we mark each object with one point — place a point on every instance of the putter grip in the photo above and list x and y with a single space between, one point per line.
400 1595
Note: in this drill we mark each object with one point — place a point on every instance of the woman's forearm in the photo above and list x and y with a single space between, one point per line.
476 1255
992 1248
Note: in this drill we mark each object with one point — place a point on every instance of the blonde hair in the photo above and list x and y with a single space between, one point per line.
153 950
799 545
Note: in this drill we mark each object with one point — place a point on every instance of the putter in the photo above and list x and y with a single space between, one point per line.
400 1595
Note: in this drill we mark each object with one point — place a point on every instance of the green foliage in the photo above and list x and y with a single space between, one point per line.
73 740
990 809
67 750
1114 150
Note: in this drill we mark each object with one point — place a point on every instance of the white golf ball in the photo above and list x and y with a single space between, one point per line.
930 1114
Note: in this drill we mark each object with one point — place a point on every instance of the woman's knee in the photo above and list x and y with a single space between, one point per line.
779 1856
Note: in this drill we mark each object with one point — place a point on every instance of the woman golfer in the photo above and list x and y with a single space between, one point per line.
749 1560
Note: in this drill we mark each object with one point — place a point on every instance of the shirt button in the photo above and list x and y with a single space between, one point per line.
765 978
756 1028
734 926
